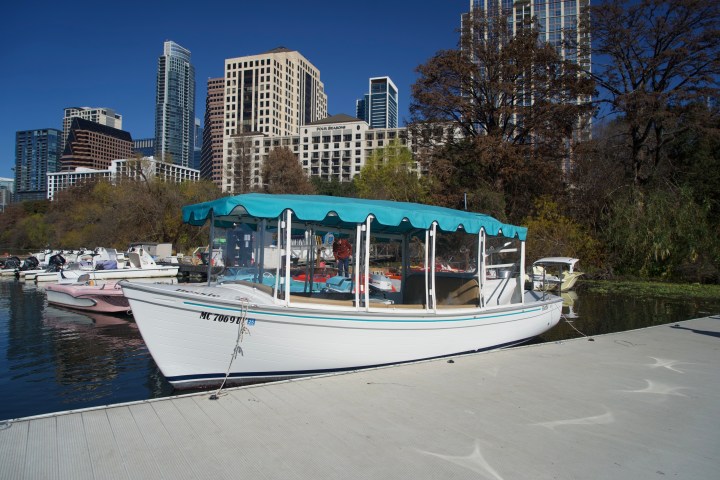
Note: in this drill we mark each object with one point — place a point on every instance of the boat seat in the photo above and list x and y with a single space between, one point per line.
134 260
399 306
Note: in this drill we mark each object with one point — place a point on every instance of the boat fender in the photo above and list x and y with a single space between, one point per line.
91 282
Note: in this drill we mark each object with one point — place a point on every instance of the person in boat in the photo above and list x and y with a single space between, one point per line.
342 252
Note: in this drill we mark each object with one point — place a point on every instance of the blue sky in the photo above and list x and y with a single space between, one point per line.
104 54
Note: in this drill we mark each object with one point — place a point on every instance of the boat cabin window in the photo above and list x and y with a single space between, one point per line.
409 271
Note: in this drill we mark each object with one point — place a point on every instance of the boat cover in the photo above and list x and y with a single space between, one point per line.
343 212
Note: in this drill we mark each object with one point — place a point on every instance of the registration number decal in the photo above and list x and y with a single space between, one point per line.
219 317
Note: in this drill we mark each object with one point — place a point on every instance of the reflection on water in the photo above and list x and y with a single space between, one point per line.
55 359
596 314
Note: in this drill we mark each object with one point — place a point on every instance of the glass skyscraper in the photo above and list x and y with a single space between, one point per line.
379 108
37 153
383 108
175 106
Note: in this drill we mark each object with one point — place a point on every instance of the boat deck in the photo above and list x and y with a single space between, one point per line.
642 404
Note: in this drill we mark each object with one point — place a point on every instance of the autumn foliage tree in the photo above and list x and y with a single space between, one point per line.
654 58
282 173
102 214
515 102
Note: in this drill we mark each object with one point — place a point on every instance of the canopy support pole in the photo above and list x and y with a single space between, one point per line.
427 270
288 253
212 242
521 276
433 293
482 274
356 268
366 279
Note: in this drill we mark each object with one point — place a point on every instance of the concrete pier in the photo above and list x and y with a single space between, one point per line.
642 404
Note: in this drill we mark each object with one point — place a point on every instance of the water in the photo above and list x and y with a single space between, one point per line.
53 359
596 314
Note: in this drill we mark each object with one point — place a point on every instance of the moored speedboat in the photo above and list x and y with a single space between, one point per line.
194 330
555 273
103 265
105 298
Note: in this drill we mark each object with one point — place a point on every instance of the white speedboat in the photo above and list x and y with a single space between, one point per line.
555 273
103 265
195 331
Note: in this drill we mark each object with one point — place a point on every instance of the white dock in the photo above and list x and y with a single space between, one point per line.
643 404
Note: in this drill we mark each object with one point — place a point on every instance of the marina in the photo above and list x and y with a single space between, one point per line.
637 404
55 359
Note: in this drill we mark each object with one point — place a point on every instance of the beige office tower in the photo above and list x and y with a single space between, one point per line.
273 93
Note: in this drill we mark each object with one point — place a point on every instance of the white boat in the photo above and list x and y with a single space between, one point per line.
103 265
35 263
555 273
194 331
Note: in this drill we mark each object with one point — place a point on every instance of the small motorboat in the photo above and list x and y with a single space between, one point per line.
105 297
555 273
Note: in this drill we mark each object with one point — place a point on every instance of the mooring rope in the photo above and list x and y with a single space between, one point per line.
242 329
575 328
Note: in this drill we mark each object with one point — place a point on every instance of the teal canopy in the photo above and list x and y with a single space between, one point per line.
346 213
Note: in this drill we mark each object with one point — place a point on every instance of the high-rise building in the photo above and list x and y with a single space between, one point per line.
383 106
7 187
560 23
37 153
211 157
334 148
144 146
175 106
379 108
274 94
92 145
103 116
198 141
361 107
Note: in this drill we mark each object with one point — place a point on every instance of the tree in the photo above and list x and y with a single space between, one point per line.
515 103
695 158
241 163
662 234
652 58
554 234
333 187
282 173
390 174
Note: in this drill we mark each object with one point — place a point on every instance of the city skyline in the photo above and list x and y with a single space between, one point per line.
113 63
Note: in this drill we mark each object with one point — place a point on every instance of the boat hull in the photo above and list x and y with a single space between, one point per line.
106 298
116 274
191 332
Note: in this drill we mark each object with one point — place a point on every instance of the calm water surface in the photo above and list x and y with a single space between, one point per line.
53 359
